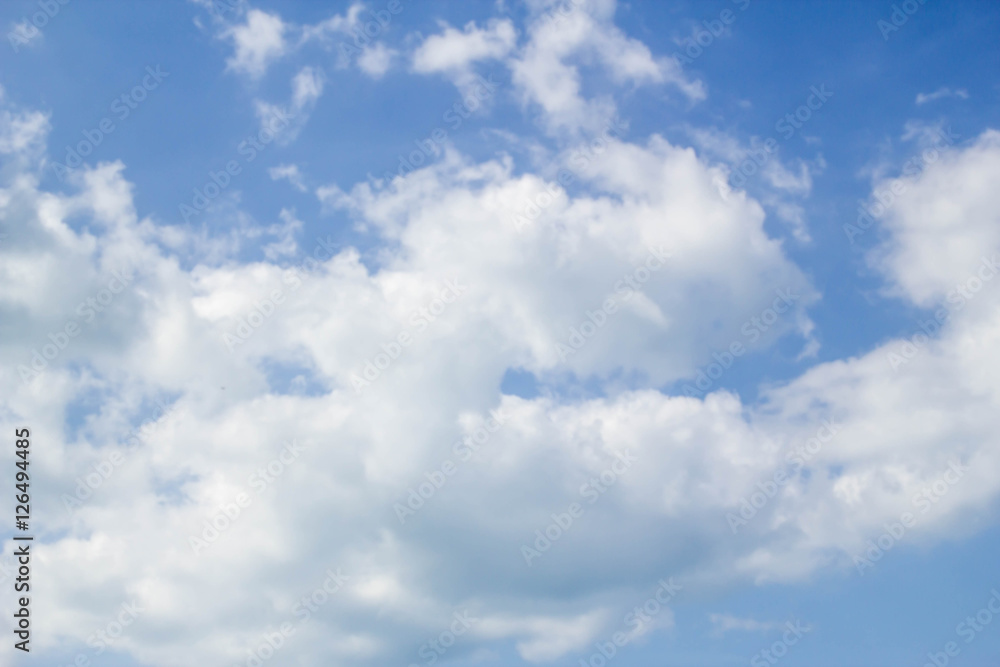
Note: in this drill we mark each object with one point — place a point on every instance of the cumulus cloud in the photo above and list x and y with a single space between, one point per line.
935 242
257 42
455 53
294 365
547 73
338 24
454 50
699 455
260 38
290 173
561 37
20 131
334 314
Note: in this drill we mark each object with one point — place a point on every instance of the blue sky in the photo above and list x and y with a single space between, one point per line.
475 313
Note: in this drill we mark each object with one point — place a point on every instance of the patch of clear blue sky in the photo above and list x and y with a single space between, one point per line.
193 122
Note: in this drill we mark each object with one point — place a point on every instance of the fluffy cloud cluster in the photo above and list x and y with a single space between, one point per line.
455 50
312 398
562 37
563 41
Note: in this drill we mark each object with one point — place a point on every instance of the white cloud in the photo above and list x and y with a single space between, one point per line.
780 186
545 638
288 120
257 43
22 131
284 245
376 60
454 51
941 93
262 38
943 221
164 337
290 173
24 33
307 86
666 188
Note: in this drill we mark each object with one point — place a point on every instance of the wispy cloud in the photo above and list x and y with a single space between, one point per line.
941 93
723 623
